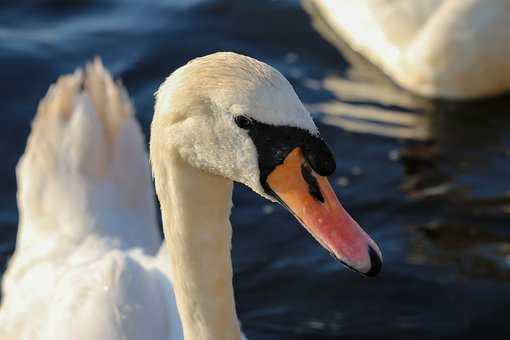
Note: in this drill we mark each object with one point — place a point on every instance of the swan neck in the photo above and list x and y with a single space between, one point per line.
196 210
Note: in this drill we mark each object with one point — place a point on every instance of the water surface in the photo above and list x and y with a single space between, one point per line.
429 181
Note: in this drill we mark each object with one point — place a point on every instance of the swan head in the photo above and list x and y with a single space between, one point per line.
236 117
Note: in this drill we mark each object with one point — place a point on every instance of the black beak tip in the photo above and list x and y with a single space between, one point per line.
375 261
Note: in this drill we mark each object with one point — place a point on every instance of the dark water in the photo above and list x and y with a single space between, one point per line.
430 183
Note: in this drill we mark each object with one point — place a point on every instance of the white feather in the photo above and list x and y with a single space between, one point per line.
86 264
437 48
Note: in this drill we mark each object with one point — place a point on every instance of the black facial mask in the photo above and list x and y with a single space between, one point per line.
274 143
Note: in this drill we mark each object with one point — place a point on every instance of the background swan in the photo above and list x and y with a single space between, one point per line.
453 49
86 267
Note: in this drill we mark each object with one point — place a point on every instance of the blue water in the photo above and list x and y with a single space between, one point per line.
438 206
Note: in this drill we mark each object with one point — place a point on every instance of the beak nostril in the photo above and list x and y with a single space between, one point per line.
313 187
375 262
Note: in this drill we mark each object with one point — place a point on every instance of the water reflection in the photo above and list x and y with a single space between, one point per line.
454 158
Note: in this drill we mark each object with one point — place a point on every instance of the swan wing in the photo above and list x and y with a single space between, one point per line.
85 264
107 295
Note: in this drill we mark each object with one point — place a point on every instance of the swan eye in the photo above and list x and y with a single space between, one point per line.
243 122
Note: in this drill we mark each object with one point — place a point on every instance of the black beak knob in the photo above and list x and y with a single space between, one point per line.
319 155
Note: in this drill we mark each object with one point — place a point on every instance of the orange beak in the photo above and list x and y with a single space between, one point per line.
311 199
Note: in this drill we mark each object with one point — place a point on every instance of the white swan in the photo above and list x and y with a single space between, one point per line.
86 264
454 49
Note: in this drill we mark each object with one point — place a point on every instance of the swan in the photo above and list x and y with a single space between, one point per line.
89 261
451 49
